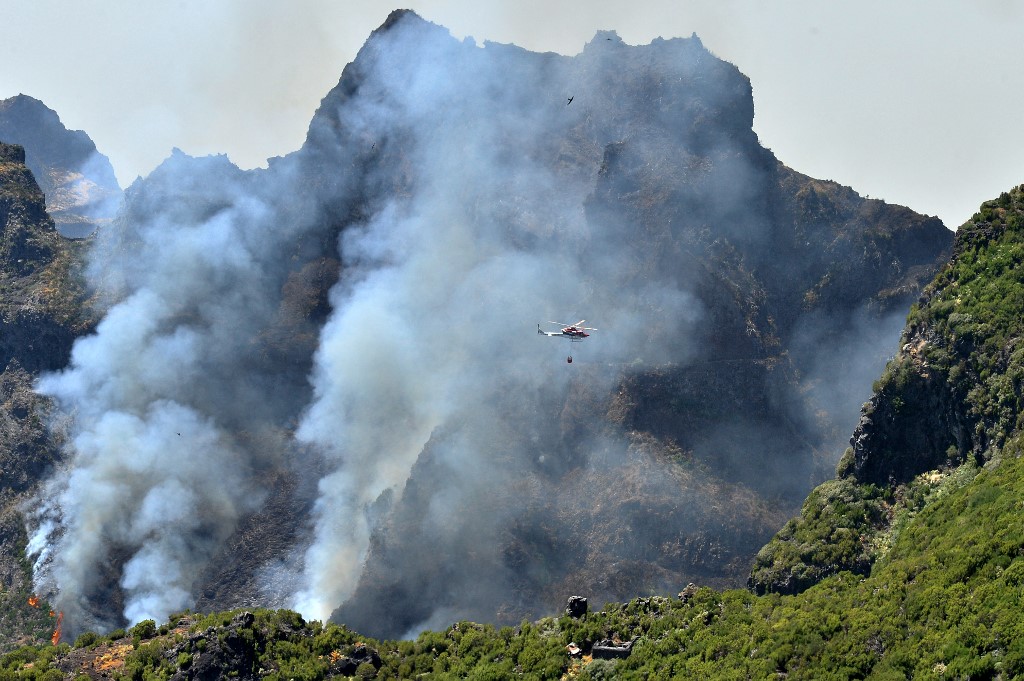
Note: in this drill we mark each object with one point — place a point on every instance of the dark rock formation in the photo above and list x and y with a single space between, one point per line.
576 607
218 654
686 594
800 283
908 429
609 649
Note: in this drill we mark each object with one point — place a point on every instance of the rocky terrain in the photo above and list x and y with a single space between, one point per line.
801 286
326 377
42 310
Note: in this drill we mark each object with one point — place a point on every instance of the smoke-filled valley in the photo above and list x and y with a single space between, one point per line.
320 386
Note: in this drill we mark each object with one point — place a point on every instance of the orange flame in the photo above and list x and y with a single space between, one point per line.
33 600
55 639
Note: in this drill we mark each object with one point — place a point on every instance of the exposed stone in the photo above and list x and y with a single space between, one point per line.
576 607
686 594
78 181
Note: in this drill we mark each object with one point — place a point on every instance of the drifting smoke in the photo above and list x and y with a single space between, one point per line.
441 289
465 201
157 479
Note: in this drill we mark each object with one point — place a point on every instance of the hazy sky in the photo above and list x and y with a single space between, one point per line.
917 102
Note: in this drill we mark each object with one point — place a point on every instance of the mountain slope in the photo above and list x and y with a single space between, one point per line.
320 385
750 287
950 397
942 600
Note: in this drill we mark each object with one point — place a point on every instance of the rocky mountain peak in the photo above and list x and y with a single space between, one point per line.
78 182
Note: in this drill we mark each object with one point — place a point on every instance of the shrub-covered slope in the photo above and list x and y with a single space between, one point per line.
943 603
950 397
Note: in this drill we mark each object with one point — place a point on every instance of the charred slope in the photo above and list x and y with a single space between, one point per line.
78 182
41 312
945 405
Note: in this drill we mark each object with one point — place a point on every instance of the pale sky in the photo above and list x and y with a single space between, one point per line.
918 102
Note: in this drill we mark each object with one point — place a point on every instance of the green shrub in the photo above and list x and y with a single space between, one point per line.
86 639
145 629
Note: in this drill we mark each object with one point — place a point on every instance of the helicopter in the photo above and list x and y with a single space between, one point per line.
576 333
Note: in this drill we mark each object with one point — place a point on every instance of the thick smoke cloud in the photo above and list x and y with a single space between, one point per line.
460 199
442 289
156 478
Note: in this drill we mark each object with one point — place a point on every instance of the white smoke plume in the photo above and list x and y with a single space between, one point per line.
441 290
156 479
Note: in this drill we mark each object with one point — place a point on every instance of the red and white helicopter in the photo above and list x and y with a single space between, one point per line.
574 332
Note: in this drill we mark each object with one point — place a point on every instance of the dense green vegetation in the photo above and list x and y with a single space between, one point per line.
975 307
950 397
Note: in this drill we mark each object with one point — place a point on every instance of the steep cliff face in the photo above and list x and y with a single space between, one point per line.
78 182
43 303
41 312
949 399
443 460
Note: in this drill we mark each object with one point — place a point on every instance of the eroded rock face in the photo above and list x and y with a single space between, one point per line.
576 606
920 429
